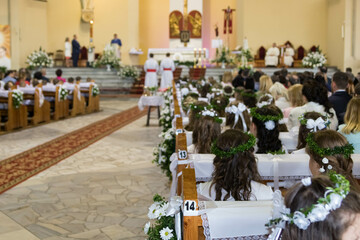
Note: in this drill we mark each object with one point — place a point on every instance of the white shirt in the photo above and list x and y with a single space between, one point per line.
273 51
259 192
67 49
282 103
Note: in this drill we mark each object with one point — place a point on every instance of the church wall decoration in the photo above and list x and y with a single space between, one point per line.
176 24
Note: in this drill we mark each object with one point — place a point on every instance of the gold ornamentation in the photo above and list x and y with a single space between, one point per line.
196 23
175 25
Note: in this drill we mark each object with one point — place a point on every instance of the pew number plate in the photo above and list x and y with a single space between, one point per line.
178 131
177 116
190 208
182 154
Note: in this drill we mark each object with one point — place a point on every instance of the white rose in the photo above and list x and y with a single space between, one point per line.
270 125
318 213
300 220
335 201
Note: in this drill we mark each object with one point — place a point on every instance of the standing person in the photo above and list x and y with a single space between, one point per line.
167 67
151 68
340 97
75 51
67 52
117 43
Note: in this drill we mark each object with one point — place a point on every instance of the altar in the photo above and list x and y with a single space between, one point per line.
180 54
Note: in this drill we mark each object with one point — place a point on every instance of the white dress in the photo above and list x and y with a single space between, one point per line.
311 107
288 56
258 192
67 49
167 67
151 68
272 56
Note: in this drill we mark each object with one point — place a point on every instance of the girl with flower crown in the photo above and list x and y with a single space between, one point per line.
309 122
206 130
235 176
195 109
323 208
330 151
265 122
219 104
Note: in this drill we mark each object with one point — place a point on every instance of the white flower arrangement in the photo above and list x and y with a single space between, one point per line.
95 90
18 98
108 57
164 151
63 93
314 59
39 59
164 222
166 114
128 71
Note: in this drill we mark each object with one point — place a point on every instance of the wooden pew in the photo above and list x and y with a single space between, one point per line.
78 102
92 102
193 228
40 113
61 107
16 117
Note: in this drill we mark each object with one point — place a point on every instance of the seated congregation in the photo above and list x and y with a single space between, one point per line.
260 137
28 101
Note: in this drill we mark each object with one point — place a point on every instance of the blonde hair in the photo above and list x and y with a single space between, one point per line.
278 90
265 84
295 95
227 77
352 116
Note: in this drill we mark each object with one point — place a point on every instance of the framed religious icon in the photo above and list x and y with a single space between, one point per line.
175 24
195 24
185 36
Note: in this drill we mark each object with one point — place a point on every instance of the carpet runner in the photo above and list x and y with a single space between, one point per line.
20 167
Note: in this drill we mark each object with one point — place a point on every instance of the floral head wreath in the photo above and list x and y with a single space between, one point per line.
269 120
234 150
265 103
246 94
238 112
346 150
195 107
230 93
314 125
210 113
317 212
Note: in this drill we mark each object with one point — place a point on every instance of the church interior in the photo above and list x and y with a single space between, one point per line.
179 119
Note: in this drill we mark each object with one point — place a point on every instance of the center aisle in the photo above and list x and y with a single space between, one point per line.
101 192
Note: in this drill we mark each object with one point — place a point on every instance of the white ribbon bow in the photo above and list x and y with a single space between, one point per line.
238 111
174 210
315 125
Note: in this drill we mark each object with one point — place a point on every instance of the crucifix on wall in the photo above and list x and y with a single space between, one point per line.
228 22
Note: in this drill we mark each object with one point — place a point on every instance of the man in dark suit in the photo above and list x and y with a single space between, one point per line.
75 51
340 97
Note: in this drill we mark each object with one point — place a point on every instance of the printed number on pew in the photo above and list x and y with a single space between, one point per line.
179 131
190 206
182 154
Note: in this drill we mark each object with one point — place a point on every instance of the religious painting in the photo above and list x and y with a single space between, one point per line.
195 24
175 24
87 10
5 46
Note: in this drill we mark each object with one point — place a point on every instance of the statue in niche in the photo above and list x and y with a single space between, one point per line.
87 10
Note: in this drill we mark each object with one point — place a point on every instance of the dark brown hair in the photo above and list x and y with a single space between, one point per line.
334 225
268 140
219 104
234 174
303 131
249 101
315 92
205 132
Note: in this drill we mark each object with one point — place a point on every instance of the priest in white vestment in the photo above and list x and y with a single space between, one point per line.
272 56
288 55
167 67
151 68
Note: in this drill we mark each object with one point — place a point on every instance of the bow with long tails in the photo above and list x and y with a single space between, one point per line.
238 112
315 125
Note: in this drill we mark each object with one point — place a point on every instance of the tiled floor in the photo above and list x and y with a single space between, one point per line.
101 192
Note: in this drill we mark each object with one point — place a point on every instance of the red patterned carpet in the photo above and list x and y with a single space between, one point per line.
18 168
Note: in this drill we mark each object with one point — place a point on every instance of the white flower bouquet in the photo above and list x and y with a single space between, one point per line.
164 225
18 98
63 93
314 59
39 59
95 90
